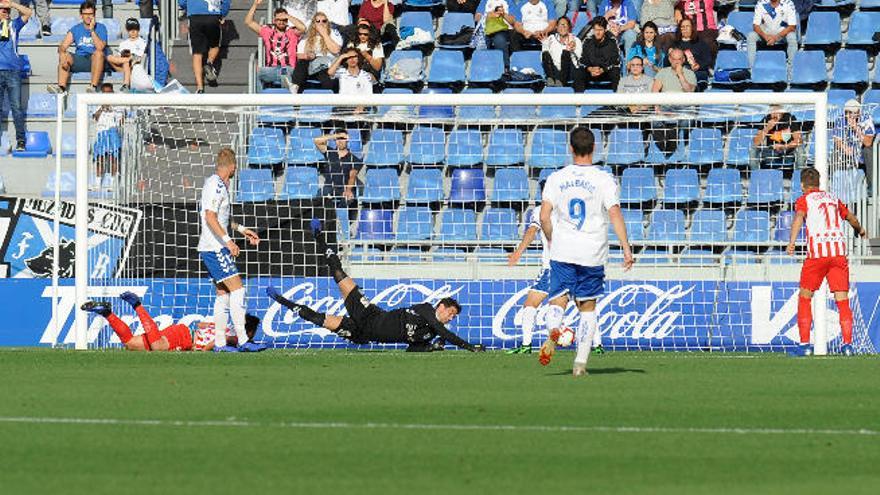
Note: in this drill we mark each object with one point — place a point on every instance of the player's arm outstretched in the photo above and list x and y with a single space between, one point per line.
527 239
427 312
619 226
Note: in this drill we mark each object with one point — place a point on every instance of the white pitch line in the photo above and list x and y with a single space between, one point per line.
436 427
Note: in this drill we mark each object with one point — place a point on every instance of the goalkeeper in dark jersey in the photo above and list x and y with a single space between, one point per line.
417 325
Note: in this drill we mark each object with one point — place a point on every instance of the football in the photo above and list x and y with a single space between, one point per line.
566 337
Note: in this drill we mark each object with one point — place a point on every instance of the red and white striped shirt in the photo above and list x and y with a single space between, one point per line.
825 215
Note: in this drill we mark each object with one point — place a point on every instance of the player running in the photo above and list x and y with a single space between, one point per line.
218 251
416 325
577 202
826 256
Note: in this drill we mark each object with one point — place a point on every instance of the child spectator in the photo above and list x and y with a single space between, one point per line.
131 51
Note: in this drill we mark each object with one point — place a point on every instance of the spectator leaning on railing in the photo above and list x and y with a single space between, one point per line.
205 19
89 38
10 66
279 40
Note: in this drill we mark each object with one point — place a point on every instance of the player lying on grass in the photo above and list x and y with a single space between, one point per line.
204 337
826 256
172 338
416 325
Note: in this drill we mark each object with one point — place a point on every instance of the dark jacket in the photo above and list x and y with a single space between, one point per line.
604 54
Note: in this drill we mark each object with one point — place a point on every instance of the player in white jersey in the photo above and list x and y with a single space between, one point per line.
826 255
218 251
577 202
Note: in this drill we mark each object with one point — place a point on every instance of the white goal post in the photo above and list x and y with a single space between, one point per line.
252 102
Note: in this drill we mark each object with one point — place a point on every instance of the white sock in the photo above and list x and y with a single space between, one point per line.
597 335
237 310
553 317
528 324
221 305
587 327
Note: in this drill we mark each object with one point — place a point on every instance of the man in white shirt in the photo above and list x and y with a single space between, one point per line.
218 251
535 20
577 202
774 21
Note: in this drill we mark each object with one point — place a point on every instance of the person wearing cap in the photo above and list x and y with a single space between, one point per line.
10 66
853 134
340 169
131 52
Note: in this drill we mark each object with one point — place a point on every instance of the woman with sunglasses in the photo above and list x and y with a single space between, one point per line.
315 53
279 39
370 48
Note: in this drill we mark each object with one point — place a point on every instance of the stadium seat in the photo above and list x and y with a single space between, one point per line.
465 148
429 112
850 69
487 67
796 191
557 111
518 113
739 256
425 185
68 145
375 225
457 224
708 226
427 146
315 113
390 76
653 256
477 112
783 227
870 5
41 105
778 256
67 185
740 141
765 187
770 68
360 254
625 147
635 228
60 27
114 29
37 145
451 23
667 225
500 224
422 4
848 185
549 149
266 146
681 187
742 22
808 68
301 149
30 31
385 148
706 146
751 226
510 184
658 157
414 223
637 186
468 186
448 255
406 255
862 26
526 60
300 183
823 31
381 185
696 256
506 148
396 111
447 68
255 184
723 186
420 20
730 60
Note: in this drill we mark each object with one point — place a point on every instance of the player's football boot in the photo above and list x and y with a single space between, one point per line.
102 308
225 348
847 350
523 349
579 369
802 350
315 225
599 349
548 347
131 298
250 346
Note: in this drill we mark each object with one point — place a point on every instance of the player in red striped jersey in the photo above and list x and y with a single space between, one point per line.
826 255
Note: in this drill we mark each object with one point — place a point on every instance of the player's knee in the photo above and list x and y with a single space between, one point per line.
806 293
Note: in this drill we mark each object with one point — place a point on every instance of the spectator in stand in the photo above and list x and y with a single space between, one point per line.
10 67
662 14
340 19
340 170
41 10
205 18
108 144
622 19
131 52
315 53
854 134
348 69
380 14
562 52
370 48
702 13
697 55
774 21
635 81
676 78
499 24
589 6
89 39
644 48
600 60
535 20
279 40
778 141
466 6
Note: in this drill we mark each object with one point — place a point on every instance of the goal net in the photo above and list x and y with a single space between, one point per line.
441 194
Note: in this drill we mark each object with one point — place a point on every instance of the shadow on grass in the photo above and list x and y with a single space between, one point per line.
601 371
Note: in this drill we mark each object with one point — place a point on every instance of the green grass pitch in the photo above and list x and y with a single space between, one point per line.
357 422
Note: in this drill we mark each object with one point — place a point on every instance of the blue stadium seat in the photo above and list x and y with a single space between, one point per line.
823 31
30 31
422 4
60 27
510 184
397 111
765 187
300 183
657 156
255 184
778 256
301 148
266 146
697 256
421 20
635 228
375 225
114 29
783 227
850 69
493 255
477 112
425 185
730 60
708 226
447 67
682 186
66 188
390 77
770 67
427 146
41 105
37 145
751 226
848 184
667 225
637 186
468 185
557 111
428 112
448 255
487 67
871 5
808 68
625 147
385 148
406 255
740 256
68 145
465 148
457 224
741 140
651 256
316 113
451 24
381 185
506 148
723 185
360 254
500 224
706 146
517 112
549 149
414 223
526 59
862 26
796 191
742 22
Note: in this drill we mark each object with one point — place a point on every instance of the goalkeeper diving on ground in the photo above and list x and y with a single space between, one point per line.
418 325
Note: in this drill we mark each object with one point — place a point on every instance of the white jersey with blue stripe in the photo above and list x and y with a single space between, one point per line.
534 220
215 197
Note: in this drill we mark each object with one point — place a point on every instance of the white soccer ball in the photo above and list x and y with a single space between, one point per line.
566 337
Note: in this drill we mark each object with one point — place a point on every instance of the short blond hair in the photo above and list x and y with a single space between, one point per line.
225 158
